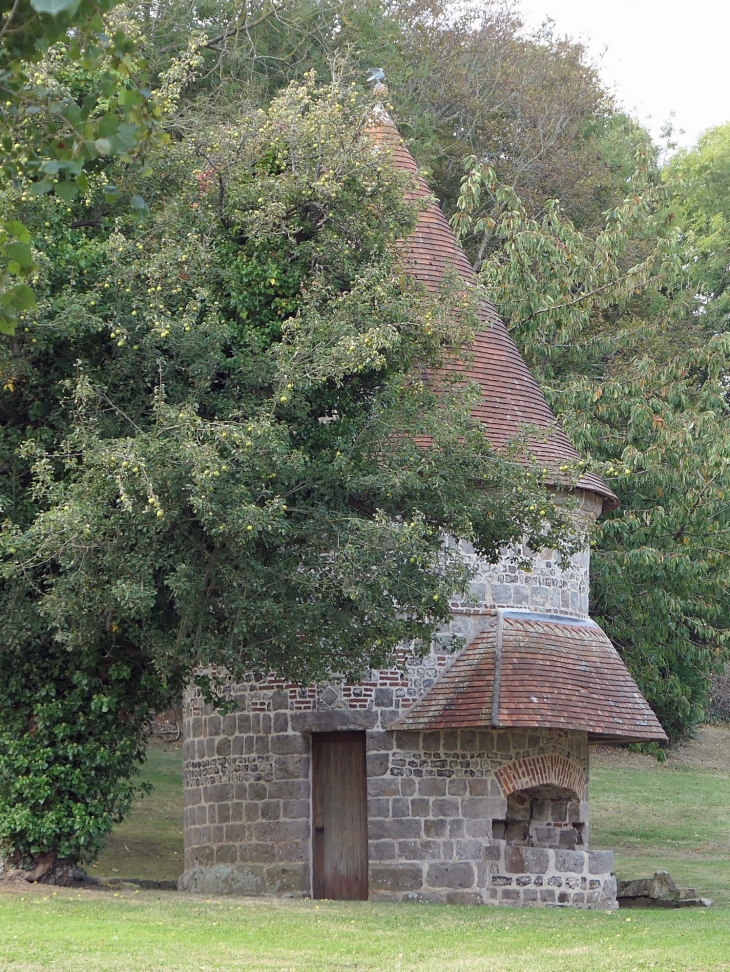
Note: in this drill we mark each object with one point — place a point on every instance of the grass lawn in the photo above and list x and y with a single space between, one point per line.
149 844
667 816
674 816
155 931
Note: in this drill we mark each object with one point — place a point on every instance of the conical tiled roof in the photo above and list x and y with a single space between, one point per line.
510 396
558 673
523 670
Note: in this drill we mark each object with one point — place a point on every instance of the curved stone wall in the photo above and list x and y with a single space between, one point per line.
437 801
548 588
433 798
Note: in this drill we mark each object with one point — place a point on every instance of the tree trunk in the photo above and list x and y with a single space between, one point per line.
45 865
48 870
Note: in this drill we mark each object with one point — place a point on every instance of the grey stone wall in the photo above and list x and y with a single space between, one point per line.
437 801
552 877
246 781
433 799
547 588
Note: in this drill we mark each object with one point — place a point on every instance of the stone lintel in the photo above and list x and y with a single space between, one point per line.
334 720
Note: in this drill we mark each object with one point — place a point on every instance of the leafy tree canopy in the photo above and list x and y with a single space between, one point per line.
217 447
74 92
475 82
699 182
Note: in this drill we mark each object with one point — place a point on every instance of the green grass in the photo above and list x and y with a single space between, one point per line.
149 844
153 931
665 817
653 816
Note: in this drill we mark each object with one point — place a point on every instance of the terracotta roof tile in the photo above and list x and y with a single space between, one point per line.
555 673
510 397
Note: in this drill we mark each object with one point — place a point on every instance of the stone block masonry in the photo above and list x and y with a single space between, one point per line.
549 586
553 878
433 798
482 816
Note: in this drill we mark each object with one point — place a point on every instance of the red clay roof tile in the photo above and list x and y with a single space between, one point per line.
510 396
558 674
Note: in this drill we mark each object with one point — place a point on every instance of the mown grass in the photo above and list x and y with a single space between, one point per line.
149 844
652 816
153 931
665 817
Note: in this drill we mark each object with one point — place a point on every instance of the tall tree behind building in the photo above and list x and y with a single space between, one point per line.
478 83
628 332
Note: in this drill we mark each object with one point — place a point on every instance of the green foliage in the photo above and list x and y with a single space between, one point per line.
549 278
699 181
71 734
474 81
214 450
75 93
641 388
660 570
15 248
217 447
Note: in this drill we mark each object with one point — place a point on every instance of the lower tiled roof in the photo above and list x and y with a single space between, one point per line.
557 673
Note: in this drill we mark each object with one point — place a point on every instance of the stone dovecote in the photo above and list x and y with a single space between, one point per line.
451 778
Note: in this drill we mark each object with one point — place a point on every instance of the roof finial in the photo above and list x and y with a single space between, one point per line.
377 75
380 93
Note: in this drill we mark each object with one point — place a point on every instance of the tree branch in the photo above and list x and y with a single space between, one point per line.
267 12
8 19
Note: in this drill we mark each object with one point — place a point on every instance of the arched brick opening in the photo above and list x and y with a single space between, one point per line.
538 771
543 803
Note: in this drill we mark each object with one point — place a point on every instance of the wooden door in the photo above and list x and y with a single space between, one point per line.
339 812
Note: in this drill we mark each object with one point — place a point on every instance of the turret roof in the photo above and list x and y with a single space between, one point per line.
530 670
510 396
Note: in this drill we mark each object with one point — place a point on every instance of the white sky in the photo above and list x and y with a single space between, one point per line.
660 56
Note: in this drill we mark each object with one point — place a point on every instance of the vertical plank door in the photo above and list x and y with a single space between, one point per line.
339 812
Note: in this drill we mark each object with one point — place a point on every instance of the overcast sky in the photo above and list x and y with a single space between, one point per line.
658 55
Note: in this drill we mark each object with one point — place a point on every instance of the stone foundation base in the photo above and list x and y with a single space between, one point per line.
512 875
537 876
282 880
553 878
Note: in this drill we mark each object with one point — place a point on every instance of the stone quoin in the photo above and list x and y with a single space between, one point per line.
456 777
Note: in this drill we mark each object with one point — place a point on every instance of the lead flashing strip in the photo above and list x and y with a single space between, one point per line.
498 640
516 615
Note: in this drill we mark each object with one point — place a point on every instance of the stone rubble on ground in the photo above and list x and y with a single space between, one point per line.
659 891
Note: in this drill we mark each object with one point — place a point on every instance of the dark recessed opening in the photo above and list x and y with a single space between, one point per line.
541 816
